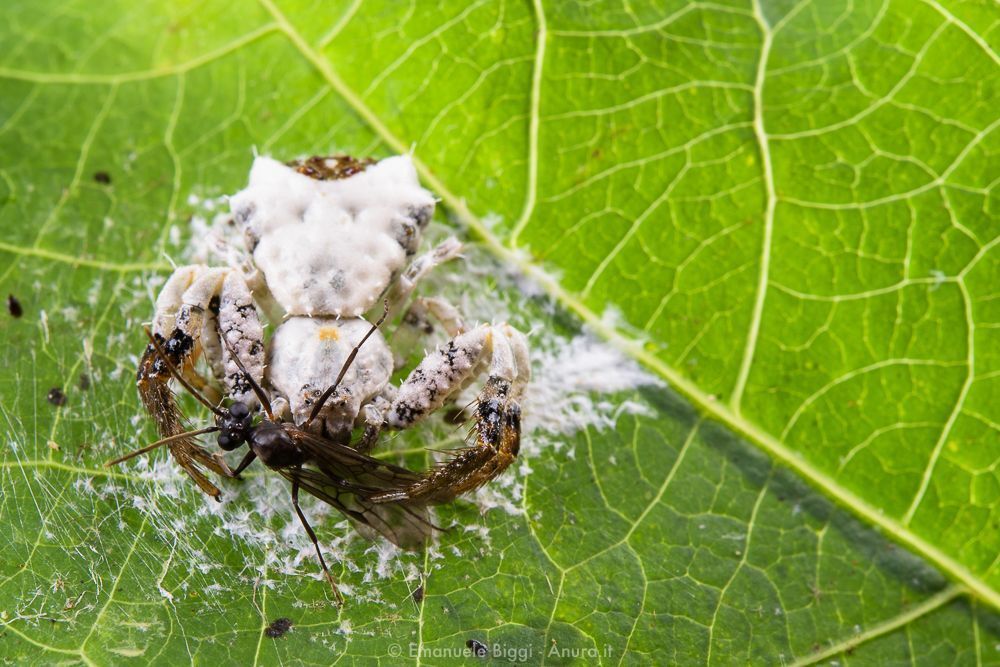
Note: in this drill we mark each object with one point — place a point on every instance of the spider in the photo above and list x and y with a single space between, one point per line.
327 240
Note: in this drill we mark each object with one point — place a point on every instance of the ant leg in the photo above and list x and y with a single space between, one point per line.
312 536
497 435
247 460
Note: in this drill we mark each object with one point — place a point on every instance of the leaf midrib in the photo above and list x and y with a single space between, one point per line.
703 401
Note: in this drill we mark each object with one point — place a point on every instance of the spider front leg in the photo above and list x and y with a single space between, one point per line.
194 303
373 417
401 290
504 351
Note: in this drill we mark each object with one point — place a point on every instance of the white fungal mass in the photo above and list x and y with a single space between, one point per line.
331 247
329 239
308 352
327 250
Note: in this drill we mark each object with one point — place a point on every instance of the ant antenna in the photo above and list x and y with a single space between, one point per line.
160 443
177 375
257 389
343 369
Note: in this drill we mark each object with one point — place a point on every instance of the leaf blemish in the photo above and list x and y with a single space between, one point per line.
14 306
56 397
278 628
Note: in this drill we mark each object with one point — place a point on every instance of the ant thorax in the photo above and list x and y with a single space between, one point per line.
274 447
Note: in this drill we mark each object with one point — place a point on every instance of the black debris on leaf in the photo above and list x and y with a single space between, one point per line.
56 396
14 306
102 177
84 381
479 649
278 628
418 594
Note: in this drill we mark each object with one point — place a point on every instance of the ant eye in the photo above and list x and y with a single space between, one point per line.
239 410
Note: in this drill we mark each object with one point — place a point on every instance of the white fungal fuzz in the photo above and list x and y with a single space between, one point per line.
440 373
306 355
324 247
331 247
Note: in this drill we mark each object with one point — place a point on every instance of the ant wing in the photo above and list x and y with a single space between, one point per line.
188 455
406 526
357 470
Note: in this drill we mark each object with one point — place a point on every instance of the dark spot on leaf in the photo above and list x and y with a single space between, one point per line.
479 649
278 628
56 396
14 306
418 594
84 381
102 177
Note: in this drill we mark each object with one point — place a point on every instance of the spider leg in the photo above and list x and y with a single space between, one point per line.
188 308
373 415
400 291
312 536
498 410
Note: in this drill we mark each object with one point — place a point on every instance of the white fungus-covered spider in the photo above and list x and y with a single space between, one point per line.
328 241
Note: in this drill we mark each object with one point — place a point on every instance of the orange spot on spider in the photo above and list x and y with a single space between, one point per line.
329 333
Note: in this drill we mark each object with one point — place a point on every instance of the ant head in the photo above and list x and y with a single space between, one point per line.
235 424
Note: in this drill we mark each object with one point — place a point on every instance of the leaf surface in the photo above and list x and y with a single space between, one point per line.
787 210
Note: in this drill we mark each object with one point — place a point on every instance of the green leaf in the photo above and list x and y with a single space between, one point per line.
787 210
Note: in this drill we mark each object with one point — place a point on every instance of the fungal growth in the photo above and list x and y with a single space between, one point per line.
330 253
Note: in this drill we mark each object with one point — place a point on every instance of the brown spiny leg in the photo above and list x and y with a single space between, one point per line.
497 434
196 298
153 383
